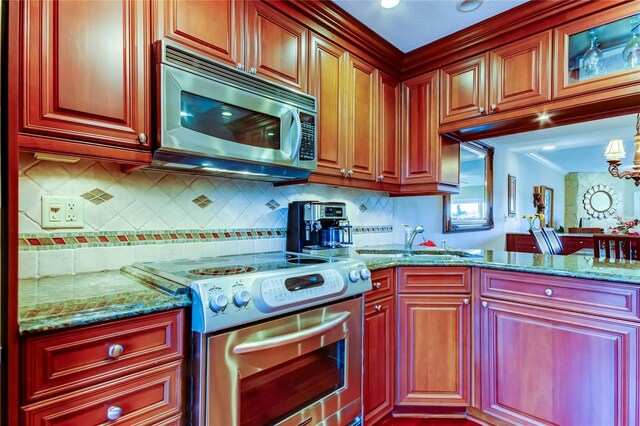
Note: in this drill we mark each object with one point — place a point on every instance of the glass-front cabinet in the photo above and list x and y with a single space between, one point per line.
599 52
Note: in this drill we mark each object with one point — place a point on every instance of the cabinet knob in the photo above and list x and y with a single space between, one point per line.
343 172
350 172
548 292
115 351
378 308
380 178
493 107
465 301
142 138
114 412
480 110
377 285
240 66
484 304
253 70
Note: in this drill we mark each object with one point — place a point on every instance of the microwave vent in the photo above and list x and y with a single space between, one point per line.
201 65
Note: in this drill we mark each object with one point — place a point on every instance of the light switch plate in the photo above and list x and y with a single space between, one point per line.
62 212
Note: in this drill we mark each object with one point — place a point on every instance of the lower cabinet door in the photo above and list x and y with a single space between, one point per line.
434 350
549 367
379 349
150 397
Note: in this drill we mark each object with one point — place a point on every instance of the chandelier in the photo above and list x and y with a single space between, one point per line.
615 152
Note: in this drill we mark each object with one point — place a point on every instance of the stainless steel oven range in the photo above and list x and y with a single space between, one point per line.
277 337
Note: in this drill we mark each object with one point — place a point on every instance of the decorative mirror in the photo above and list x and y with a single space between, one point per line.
600 201
472 208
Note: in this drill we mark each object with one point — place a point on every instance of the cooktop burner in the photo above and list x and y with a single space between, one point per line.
187 271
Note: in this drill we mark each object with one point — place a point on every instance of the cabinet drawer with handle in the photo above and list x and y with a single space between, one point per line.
580 295
150 397
435 279
61 362
383 283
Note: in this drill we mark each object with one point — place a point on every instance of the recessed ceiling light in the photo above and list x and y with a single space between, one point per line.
548 147
389 4
468 5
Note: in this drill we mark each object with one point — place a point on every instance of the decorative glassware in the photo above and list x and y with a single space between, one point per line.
593 59
631 52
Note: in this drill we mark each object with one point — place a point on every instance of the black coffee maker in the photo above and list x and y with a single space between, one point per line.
318 228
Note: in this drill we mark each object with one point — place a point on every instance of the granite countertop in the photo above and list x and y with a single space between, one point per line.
66 301
576 266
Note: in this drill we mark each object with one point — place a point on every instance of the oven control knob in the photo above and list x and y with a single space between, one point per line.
241 298
218 302
354 276
365 274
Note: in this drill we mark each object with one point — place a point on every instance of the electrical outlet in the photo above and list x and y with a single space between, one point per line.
62 212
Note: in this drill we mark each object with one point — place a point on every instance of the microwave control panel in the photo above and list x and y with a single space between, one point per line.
308 143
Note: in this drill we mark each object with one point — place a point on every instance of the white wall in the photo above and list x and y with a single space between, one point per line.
529 173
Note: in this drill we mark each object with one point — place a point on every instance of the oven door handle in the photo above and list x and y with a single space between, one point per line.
286 339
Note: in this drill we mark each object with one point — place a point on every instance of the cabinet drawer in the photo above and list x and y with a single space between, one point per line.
383 284
145 398
586 296
434 280
64 361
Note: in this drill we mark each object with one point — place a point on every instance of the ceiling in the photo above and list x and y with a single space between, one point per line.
578 147
414 23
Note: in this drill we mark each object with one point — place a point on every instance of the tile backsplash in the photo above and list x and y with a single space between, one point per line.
145 216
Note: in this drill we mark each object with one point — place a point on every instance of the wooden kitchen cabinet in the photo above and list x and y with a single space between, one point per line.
389 129
430 162
434 350
250 35
135 364
434 337
612 29
547 366
512 76
86 78
379 349
379 346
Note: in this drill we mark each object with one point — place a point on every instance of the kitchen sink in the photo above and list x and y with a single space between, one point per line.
453 255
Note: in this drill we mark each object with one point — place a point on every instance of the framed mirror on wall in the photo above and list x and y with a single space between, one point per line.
472 208
547 199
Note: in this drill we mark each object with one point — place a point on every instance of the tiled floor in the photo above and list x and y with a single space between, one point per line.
403 421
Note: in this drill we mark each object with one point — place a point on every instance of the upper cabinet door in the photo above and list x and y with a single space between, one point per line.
595 53
389 116
326 83
86 66
464 89
362 120
276 46
521 73
214 28
420 140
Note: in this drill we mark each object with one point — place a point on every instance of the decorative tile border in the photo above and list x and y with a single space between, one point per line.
73 240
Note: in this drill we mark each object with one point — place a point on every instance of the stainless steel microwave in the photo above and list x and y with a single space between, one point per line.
215 119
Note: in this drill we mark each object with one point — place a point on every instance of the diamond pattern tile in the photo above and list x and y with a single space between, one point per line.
97 196
202 201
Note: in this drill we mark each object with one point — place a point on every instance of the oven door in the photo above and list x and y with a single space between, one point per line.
211 119
301 369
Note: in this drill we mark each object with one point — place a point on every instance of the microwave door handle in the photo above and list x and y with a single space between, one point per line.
297 139
287 339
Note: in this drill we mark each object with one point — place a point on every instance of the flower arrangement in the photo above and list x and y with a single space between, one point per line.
532 219
624 226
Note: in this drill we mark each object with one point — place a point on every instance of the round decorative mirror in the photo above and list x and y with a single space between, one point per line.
600 201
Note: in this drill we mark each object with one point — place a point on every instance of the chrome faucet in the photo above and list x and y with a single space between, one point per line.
409 236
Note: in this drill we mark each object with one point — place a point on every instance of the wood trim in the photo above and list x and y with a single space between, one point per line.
84 150
332 22
522 21
10 234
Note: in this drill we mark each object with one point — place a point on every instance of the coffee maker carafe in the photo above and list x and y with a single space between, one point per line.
318 228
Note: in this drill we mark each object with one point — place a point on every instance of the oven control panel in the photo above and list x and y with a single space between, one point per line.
230 301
